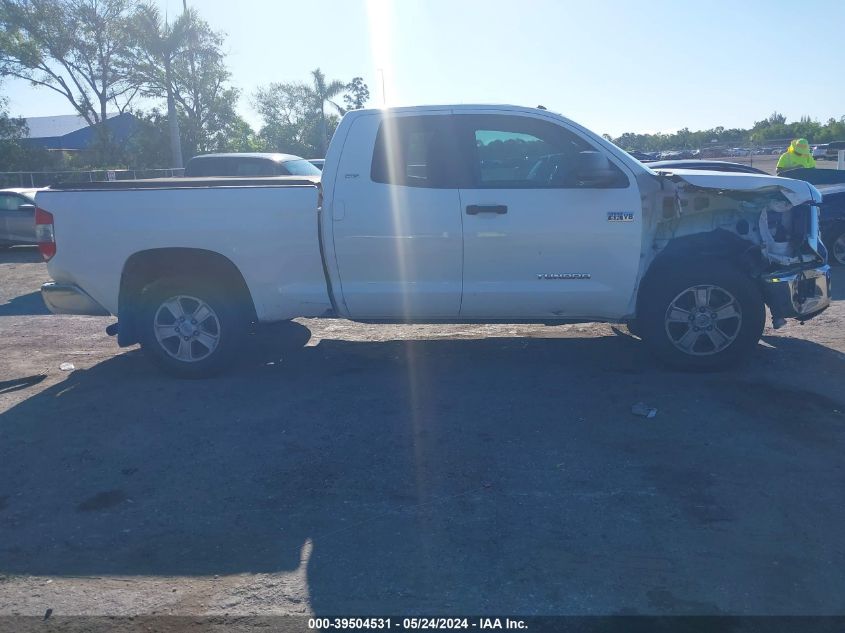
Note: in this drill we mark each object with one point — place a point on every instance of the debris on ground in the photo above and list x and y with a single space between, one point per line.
642 409
67 367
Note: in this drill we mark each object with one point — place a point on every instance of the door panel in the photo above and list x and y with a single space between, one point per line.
538 241
397 220
16 225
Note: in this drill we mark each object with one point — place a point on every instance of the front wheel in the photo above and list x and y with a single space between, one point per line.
837 246
190 329
702 316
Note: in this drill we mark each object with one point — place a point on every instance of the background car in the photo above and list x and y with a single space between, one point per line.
832 221
249 165
708 165
17 217
317 162
831 184
819 151
833 148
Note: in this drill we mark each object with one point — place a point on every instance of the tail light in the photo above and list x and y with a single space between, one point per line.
44 234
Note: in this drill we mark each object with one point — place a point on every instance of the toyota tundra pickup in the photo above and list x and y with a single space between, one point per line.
441 214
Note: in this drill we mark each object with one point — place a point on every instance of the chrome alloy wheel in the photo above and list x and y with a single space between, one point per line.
703 320
187 328
839 249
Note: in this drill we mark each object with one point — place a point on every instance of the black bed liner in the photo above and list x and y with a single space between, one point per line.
188 183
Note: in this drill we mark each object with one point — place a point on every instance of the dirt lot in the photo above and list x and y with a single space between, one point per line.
400 469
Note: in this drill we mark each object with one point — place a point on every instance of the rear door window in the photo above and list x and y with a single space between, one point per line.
208 167
10 202
249 167
417 151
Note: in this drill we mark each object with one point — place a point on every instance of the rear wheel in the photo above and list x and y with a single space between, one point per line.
837 246
191 329
702 316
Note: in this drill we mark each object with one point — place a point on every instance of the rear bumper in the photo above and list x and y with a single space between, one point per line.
70 299
798 294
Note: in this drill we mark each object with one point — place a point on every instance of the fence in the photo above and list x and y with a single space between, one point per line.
34 179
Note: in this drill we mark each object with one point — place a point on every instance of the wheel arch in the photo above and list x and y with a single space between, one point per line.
144 268
719 246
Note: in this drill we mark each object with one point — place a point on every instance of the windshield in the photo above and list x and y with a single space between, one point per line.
301 167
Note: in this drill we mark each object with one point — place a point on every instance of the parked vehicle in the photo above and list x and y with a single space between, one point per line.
17 217
819 151
441 214
833 149
643 157
832 221
831 184
249 165
317 162
708 165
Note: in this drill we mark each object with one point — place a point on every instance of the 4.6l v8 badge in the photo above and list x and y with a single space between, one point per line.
620 216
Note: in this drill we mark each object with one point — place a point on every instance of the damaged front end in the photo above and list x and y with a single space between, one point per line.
770 224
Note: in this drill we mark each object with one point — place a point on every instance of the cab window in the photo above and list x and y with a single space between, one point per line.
516 152
416 152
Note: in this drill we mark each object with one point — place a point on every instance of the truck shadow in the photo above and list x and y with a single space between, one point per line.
498 475
29 304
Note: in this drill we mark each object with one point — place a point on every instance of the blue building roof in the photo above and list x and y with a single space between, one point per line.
71 131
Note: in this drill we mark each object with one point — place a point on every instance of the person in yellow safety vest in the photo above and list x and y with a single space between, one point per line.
798 155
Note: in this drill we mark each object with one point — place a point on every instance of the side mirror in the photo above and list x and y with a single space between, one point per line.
594 169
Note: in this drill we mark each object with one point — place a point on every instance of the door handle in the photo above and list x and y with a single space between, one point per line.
475 209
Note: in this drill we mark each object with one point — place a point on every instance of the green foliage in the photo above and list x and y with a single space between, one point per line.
73 47
184 63
773 128
683 139
357 94
776 127
14 154
294 113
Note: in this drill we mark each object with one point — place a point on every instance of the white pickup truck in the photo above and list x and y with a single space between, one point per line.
441 214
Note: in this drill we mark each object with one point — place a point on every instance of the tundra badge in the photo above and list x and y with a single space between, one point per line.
620 216
563 276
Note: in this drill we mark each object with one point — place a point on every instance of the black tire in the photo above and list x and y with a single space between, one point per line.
634 328
836 254
718 339
226 327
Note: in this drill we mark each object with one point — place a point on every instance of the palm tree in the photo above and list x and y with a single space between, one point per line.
156 45
321 93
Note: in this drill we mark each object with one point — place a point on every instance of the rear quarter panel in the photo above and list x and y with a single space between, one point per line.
269 233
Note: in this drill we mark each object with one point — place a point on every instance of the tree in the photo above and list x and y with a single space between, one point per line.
357 94
155 46
321 93
200 88
290 124
14 153
11 132
73 47
183 63
294 113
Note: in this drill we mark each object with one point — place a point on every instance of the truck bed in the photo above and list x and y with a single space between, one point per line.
266 227
188 183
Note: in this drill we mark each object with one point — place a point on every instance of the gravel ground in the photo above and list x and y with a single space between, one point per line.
410 469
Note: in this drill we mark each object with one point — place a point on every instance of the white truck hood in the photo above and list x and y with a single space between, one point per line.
796 191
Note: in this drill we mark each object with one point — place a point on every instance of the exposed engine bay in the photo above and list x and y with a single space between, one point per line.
770 224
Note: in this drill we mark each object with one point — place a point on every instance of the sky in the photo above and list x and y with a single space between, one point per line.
612 65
